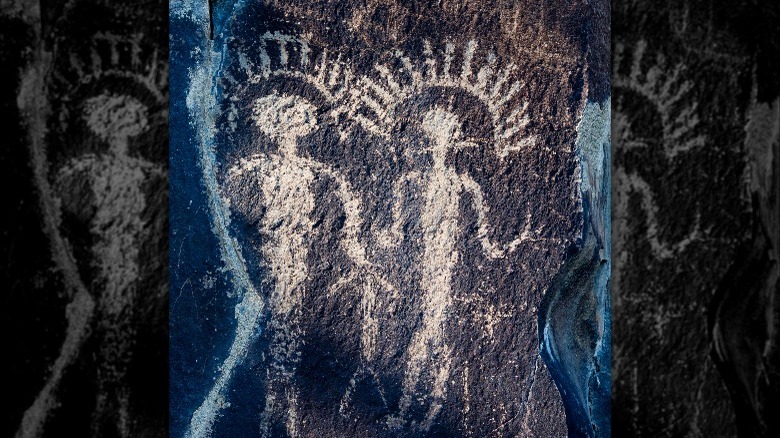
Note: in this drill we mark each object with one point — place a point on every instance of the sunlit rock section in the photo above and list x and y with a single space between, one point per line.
694 281
368 204
574 318
88 157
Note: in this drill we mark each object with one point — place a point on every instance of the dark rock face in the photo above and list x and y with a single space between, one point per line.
695 134
85 296
368 203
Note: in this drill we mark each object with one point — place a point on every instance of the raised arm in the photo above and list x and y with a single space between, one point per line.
352 210
351 243
493 249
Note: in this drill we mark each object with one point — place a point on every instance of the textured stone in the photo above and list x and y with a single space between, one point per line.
85 291
695 134
369 201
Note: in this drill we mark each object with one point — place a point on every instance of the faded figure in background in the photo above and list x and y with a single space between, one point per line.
104 191
117 179
92 100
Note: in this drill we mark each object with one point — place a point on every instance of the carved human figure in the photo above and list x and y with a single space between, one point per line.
278 192
105 192
117 179
95 112
443 188
285 179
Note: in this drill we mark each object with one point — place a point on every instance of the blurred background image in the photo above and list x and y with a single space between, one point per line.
695 218
85 230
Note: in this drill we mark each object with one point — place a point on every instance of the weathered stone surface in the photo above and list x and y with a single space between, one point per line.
85 167
369 201
695 134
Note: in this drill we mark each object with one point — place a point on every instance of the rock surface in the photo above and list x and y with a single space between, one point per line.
85 165
369 201
695 133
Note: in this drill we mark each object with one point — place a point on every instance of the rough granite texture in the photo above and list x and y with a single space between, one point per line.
695 194
382 211
84 242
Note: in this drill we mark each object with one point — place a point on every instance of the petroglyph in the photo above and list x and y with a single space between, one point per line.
628 185
443 188
285 182
117 187
666 88
105 191
666 93
684 211
272 184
